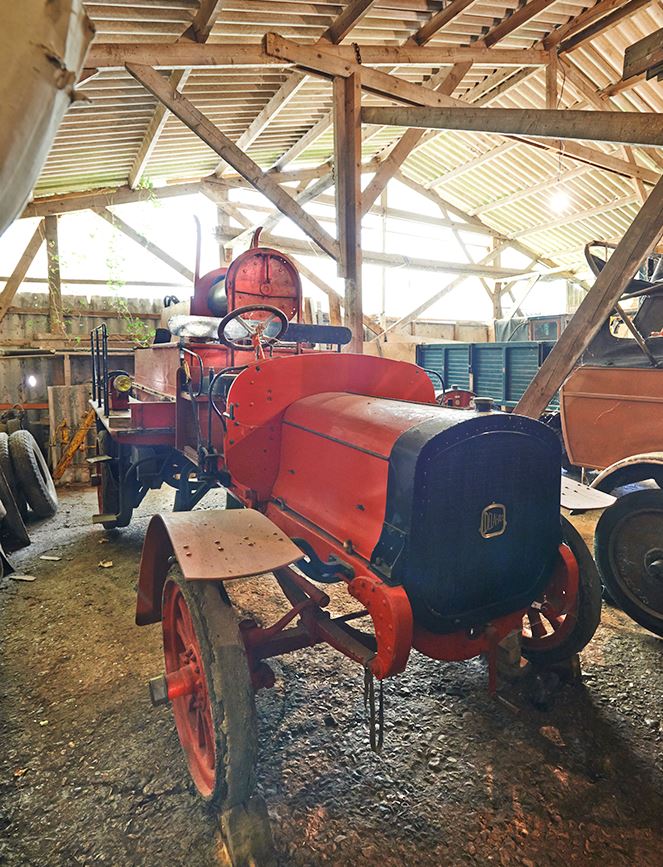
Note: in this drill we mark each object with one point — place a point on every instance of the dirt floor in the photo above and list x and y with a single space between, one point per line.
90 773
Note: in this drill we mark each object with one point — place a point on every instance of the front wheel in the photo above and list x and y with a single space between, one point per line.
628 546
563 620
216 723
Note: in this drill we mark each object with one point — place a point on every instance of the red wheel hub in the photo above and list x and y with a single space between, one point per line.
187 689
549 619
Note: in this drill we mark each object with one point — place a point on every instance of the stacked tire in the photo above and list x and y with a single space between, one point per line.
25 482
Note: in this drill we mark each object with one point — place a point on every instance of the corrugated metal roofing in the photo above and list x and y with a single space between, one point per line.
100 138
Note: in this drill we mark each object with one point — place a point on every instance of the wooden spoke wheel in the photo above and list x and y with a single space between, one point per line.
628 546
215 712
566 615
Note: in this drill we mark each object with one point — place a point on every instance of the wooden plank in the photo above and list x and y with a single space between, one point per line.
644 55
639 240
182 108
141 240
347 148
14 281
55 318
639 128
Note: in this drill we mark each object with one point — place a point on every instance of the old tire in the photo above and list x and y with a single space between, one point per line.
574 616
12 522
32 474
628 546
8 470
217 724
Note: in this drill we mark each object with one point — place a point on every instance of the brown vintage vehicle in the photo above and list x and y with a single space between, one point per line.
612 421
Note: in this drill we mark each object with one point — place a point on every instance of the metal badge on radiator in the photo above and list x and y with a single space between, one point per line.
493 520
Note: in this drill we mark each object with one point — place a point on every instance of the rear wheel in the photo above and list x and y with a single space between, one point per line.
565 617
628 546
109 498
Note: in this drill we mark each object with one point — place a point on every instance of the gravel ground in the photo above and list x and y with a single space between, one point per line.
90 773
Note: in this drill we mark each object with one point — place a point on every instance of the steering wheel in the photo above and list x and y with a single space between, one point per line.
255 336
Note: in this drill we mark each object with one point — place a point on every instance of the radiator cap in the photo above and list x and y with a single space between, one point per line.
483 404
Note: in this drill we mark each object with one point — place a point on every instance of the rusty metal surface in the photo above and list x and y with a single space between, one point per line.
609 413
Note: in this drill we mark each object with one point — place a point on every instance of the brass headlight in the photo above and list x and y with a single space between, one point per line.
122 383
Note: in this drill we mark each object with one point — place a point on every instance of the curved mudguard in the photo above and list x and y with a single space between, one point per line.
211 545
631 460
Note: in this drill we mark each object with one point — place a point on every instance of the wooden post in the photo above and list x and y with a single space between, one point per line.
347 151
551 80
55 320
640 239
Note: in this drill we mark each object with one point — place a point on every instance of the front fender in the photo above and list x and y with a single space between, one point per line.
624 463
208 545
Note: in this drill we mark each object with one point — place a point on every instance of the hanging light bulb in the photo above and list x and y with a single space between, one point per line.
559 201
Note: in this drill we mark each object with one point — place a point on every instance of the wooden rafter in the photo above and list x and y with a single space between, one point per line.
200 29
640 238
598 27
186 111
204 20
335 33
439 20
55 317
411 139
639 128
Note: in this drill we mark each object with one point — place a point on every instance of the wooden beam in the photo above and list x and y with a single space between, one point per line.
274 107
301 198
639 240
407 143
55 320
415 263
67 203
154 129
643 128
185 54
334 34
347 20
182 108
579 22
313 134
204 20
643 56
439 20
347 149
199 31
18 274
597 27
130 232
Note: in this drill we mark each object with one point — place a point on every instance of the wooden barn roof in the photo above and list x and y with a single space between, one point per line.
119 134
